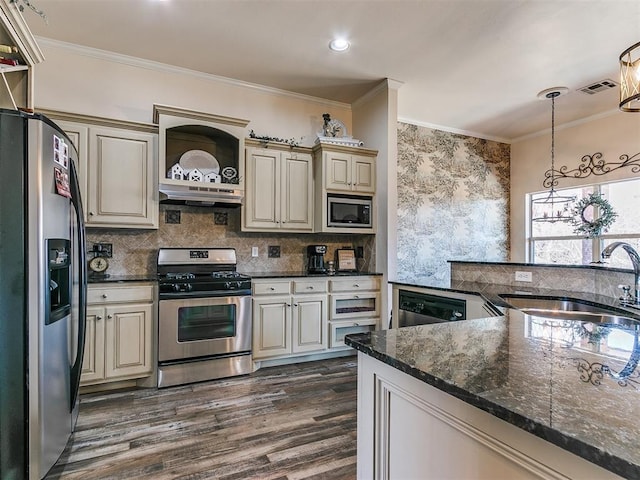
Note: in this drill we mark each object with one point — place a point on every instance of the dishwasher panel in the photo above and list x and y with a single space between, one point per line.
420 309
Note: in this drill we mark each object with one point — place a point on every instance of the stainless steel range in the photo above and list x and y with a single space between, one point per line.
205 321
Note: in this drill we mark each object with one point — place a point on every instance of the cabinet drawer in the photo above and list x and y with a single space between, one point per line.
350 305
352 284
120 294
272 288
342 328
309 286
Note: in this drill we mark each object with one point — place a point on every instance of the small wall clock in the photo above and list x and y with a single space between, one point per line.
98 266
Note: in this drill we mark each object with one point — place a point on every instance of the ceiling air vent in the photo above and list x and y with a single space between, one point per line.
598 87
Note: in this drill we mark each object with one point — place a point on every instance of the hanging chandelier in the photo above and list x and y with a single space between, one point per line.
630 79
553 207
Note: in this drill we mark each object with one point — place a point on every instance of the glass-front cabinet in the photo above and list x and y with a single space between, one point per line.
349 305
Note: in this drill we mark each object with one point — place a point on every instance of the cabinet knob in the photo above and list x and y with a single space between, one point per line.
355 285
272 288
288 304
109 316
295 304
310 287
99 317
356 324
356 296
104 295
91 214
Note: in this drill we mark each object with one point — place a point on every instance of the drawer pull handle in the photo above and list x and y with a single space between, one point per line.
104 295
356 324
310 287
356 296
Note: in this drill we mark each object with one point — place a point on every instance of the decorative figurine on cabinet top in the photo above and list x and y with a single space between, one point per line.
334 131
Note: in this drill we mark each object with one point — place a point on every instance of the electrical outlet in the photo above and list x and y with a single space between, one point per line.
103 250
274 251
360 252
254 251
524 277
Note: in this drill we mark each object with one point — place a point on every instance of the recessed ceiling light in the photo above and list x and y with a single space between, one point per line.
339 45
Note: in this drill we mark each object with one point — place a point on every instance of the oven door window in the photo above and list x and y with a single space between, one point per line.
206 322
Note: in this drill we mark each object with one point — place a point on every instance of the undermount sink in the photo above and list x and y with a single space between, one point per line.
570 310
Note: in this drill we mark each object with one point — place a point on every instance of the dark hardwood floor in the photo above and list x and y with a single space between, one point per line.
290 422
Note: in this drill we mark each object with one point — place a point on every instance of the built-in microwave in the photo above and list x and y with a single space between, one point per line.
350 211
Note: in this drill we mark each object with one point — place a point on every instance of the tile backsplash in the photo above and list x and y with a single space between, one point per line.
135 251
589 279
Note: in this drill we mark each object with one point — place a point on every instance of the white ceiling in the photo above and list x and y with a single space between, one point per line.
474 66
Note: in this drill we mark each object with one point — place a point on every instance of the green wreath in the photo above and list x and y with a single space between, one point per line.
592 228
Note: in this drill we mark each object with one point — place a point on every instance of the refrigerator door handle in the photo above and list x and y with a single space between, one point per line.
76 368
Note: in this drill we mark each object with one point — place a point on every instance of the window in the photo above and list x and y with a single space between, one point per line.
557 243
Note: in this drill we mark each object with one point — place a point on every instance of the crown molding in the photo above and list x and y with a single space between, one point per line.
564 126
457 131
166 68
386 84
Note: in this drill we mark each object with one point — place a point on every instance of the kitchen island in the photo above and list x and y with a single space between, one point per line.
515 396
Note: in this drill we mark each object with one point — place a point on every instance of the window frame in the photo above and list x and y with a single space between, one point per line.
597 244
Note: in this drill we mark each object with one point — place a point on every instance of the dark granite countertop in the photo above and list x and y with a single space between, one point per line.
121 278
302 273
564 381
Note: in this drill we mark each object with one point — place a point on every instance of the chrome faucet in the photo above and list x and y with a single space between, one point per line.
635 260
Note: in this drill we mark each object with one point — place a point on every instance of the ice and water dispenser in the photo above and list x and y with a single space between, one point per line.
58 301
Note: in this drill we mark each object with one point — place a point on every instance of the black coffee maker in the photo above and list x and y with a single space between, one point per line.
315 254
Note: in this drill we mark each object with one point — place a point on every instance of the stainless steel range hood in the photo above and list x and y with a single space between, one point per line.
221 195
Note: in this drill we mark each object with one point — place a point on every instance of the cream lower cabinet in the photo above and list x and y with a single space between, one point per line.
118 339
279 190
354 307
289 317
117 170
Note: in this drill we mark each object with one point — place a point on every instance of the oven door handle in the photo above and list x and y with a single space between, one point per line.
196 295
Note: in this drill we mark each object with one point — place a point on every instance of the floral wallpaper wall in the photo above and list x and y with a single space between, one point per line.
453 202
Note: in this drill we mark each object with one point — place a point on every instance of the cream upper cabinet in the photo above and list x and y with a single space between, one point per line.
116 168
78 133
17 85
349 173
279 190
345 169
121 179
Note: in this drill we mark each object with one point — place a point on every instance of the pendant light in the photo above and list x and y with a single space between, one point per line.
630 79
553 207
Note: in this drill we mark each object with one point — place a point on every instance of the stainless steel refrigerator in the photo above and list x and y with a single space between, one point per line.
42 293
